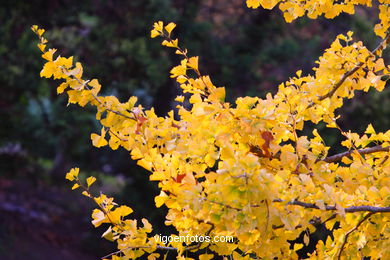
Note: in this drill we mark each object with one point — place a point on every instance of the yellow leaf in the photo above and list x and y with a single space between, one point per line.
171 43
108 234
90 181
154 34
206 257
170 27
370 129
61 88
218 95
116 215
95 86
193 62
153 256
49 54
48 70
160 199
114 142
40 32
179 98
85 193
98 217
72 174
158 26
41 46
125 210
147 225
253 3
131 102
99 140
145 164
75 186
297 246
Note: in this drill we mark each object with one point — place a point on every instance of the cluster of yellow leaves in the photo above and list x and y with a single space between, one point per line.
133 241
293 9
243 169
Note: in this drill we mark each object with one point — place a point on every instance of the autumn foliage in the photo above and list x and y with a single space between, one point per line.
245 169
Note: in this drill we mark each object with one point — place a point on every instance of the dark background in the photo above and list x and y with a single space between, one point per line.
250 52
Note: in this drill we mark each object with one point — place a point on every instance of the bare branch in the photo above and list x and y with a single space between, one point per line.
375 149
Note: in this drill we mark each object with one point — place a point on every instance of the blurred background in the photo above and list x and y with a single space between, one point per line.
250 52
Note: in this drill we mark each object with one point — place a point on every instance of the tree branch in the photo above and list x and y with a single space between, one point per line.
139 247
352 230
338 157
351 209
374 52
84 85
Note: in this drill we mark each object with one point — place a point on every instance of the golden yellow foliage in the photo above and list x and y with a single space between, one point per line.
242 169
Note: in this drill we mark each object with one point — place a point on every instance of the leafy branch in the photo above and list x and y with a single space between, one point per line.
352 230
382 45
375 149
351 209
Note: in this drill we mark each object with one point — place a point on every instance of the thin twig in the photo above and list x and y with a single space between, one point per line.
139 247
84 84
352 230
351 209
114 134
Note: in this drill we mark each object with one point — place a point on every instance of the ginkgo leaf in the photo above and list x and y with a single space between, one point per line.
90 181
160 199
75 186
297 247
206 257
86 193
370 129
169 27
193 62
48 70
253 3
72 174
108 234
98 217
247 169
99 140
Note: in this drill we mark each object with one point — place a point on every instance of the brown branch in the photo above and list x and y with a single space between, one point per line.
333 158
338 157
374 52
341 81
352 230
114 134
139 247
351 209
